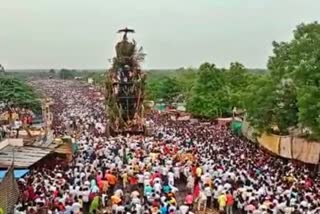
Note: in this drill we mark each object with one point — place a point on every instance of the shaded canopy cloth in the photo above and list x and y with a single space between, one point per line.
18 173
236 127
160 106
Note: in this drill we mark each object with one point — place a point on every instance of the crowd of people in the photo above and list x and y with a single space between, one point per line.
12 119
181 168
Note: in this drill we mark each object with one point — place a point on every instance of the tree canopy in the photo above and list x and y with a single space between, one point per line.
210 96
298 62
164 88
17 93
208 91
67 74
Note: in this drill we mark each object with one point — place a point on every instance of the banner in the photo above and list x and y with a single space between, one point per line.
305 151
184 118
286 147
270 142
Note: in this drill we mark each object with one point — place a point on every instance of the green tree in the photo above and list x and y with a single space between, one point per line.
186 79
17 93
237 80
309 109
67 74
2 69
165 88
259 103
272 106
290 96
210 97
299 61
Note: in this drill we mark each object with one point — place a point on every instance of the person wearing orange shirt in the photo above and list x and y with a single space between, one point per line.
115 199
103 185
112 181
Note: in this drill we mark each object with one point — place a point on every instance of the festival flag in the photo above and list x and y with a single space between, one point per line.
9 191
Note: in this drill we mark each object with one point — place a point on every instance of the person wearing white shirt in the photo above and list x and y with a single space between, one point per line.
164 171
208 193
176 171
227 186
157 186
184 209
202 201
171 178
135 200
140 177
76 207
190 182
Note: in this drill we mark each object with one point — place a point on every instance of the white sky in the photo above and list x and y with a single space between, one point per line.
174 33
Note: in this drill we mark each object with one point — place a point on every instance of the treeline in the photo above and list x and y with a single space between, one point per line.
17 93
285 99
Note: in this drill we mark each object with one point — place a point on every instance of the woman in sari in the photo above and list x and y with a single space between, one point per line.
94 205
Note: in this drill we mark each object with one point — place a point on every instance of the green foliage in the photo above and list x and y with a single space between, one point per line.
259 103
290 96
17 93
210 97
67 74
216 91
286 98
97 77
165 88
2 70
238 78
309 109
271 106
185 81
209 91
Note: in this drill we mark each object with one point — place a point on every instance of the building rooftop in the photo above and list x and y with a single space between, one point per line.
24 156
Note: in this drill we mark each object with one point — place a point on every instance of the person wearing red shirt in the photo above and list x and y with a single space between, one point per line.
154 176
29 120
133 180
229 203
166 149
196 189
194 170
189 200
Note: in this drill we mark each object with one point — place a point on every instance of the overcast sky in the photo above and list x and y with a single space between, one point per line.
174 33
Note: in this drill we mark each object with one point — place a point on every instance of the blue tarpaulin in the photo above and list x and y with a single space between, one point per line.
18 173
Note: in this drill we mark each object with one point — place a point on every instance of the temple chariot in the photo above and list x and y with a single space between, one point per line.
125 83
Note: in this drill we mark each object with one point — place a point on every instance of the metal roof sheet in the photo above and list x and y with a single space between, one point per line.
24 156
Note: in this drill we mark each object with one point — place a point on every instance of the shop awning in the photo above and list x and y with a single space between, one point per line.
18 173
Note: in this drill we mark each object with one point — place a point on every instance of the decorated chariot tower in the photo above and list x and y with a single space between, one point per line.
125 83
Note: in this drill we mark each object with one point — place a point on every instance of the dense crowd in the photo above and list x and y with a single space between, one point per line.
13 119
182 168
